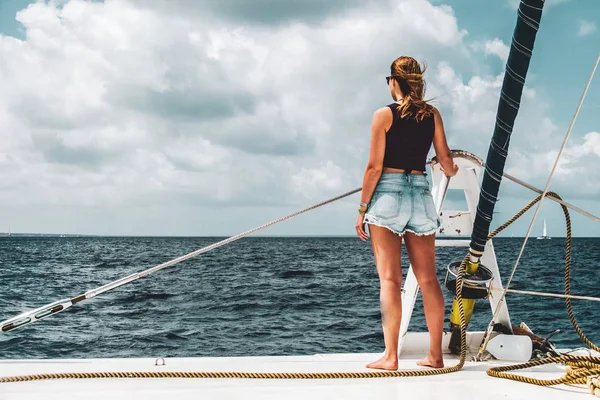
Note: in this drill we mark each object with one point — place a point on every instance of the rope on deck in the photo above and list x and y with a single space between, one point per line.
580 369
594 385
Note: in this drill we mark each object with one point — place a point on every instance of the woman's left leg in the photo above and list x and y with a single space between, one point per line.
387 248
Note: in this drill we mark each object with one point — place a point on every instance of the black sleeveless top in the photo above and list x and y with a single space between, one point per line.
408 141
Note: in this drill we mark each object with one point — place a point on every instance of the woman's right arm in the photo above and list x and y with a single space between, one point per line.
442 151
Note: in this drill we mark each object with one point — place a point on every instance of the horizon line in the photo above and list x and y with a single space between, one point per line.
40 234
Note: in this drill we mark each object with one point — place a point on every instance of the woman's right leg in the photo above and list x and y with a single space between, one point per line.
421 253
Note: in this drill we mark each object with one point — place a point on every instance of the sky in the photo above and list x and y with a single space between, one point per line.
179 117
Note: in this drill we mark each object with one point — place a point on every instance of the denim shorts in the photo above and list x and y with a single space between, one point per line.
403 203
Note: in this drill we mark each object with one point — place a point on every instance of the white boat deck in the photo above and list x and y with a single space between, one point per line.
469 383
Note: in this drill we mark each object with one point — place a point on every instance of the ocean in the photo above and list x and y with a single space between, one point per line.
255 296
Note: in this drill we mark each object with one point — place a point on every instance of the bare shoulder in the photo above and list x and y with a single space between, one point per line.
382 120
382 112
437 117
383 116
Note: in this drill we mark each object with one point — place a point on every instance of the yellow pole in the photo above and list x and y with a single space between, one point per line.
468 305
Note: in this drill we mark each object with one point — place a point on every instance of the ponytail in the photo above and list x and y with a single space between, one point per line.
407 72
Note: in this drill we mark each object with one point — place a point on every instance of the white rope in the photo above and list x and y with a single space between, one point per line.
546 294
498 306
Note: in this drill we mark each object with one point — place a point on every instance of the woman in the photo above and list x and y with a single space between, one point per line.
396 203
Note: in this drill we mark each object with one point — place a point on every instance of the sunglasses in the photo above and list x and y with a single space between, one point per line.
387 78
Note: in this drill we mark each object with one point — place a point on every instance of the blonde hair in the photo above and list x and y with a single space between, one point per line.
409 75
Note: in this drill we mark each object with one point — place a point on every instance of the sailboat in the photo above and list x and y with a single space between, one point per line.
479 368
544 234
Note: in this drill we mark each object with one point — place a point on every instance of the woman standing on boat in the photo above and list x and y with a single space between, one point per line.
396 203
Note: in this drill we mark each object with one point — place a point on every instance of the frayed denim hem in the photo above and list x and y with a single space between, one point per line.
427 233
371 220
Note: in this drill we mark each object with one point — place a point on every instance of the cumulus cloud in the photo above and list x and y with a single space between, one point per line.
130 103
471 107
263 12
493 47
327 178
586 28
574 176
117 89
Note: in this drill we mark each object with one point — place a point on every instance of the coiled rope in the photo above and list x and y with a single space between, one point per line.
580 369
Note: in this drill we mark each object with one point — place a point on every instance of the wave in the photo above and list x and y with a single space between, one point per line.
295 273
174 336
374 335
139 297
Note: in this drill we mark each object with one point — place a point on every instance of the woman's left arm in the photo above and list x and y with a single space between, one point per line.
382 120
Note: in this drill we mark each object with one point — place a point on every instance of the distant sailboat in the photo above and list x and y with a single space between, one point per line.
544 235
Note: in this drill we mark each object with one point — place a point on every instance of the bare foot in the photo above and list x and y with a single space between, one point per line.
432 362
388 363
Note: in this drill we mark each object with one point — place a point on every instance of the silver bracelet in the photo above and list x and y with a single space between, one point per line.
363 204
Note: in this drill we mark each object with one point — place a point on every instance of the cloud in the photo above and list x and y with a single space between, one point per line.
586 28
134 103
125 103
469 110
573 166
469 104
326 178
263 12
494 47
